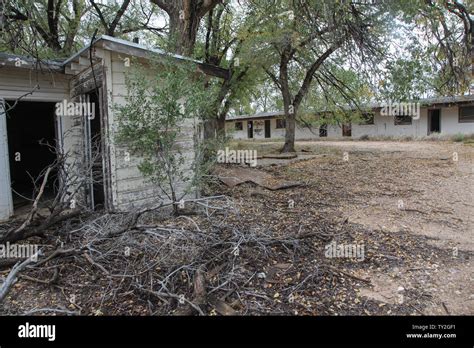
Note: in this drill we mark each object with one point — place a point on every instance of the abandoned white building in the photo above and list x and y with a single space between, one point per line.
95 75
446 116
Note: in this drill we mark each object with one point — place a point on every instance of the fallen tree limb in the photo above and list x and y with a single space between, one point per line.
337 270
56 253
177 297
10 235
11 278
38 231
8 263
199 294
53 279
92 262
134 220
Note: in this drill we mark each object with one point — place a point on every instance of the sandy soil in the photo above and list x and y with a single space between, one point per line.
410 204
420 188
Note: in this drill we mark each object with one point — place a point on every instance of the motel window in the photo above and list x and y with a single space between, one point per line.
367 118
239 126
466 114
403 120
280 123
323 130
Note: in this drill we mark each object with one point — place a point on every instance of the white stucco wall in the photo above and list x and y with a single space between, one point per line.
276 133
450 123
383 126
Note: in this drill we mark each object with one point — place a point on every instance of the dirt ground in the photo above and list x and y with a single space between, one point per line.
263 251
418 188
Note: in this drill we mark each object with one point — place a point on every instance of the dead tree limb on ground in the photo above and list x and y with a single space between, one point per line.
12 276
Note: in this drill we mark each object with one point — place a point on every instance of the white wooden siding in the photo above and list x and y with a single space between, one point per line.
132 189
16 83
29 85
6 204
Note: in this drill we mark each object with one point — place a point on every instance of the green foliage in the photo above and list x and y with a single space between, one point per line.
433 49
227 39
321 56
458 138
31 29
33 33
165 100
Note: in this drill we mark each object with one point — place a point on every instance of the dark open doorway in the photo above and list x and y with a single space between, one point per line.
95 153
250 129
31 146
268 129
434 121
346 130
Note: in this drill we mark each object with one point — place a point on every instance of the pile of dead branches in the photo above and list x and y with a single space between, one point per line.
202 262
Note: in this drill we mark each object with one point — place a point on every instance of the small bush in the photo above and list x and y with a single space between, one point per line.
469 137
458 138
434 137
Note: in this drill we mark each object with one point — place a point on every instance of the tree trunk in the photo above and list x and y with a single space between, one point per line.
185 16
183 32
209 136
221 125
290 130
210 129
3 18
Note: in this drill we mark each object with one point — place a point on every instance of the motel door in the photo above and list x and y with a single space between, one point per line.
346 130
250 129
268 129
434 121
6 203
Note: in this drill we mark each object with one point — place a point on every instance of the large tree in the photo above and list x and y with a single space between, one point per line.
184 19
302 37
60 27
28 26
226 41
449 28
118 18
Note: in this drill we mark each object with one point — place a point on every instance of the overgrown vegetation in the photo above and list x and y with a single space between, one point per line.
163 109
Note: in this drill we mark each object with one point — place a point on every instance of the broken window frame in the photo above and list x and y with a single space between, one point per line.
239 126
469 118
280 123
403 120
367 119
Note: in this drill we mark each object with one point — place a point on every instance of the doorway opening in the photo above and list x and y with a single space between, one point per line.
31 148
94 153
346 130
268 129
250 129
434 121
